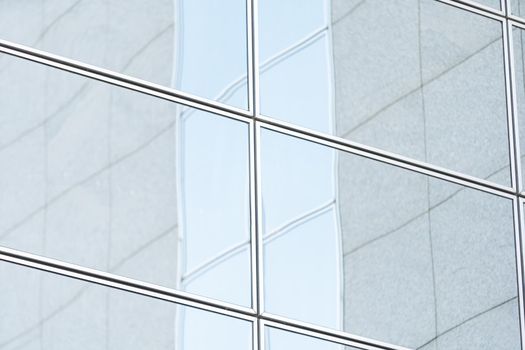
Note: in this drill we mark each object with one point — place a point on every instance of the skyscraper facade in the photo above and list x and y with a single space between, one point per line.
261 174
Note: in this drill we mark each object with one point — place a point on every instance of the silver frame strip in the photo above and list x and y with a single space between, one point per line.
477 8
386 157
124 283
514 145
470 4
325 333
518 209
512 141
512 111
121 80
255 177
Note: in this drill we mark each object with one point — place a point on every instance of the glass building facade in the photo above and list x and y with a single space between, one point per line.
262 174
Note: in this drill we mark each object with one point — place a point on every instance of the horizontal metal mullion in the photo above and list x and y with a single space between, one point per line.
385 157
186 299
517 21
121 80
325 333
124 283
478 8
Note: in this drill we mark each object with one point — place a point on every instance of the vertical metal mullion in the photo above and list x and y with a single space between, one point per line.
258 233
517 202
249 55
261 328
511 137
519 169
256 245
518 229
254 232
514 109
255 55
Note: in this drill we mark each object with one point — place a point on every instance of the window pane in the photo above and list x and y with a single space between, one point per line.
419 78
277 339
496 4
381 252
47 311
122 182
517 7
198 47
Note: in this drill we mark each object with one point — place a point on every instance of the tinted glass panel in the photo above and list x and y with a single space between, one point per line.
195 46
418 78
46 311
119 181
378 251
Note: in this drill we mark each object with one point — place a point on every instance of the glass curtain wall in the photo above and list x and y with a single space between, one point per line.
261 174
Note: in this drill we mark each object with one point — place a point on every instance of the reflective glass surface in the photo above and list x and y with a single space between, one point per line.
123 182
46 311
517 7
418 78
382 252
496 4
198 47
278 339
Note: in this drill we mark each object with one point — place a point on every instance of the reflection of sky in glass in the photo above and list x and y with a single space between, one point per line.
284 23
294 39
297 214
208 69
295 63
216 216
277 80
205 330
289 278
305 163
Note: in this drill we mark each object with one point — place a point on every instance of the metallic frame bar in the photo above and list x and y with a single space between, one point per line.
121 80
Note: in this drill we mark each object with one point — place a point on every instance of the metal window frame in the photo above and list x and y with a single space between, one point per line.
256 315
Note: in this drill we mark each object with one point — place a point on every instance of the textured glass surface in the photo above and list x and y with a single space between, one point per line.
49 312
123 182
277 339
198 47
518 36
382 252
418 78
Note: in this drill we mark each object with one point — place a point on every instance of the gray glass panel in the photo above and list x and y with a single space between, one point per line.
198 47
122 182
382 252
518 36
418 78
277 339
517 7
496 4
46 311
